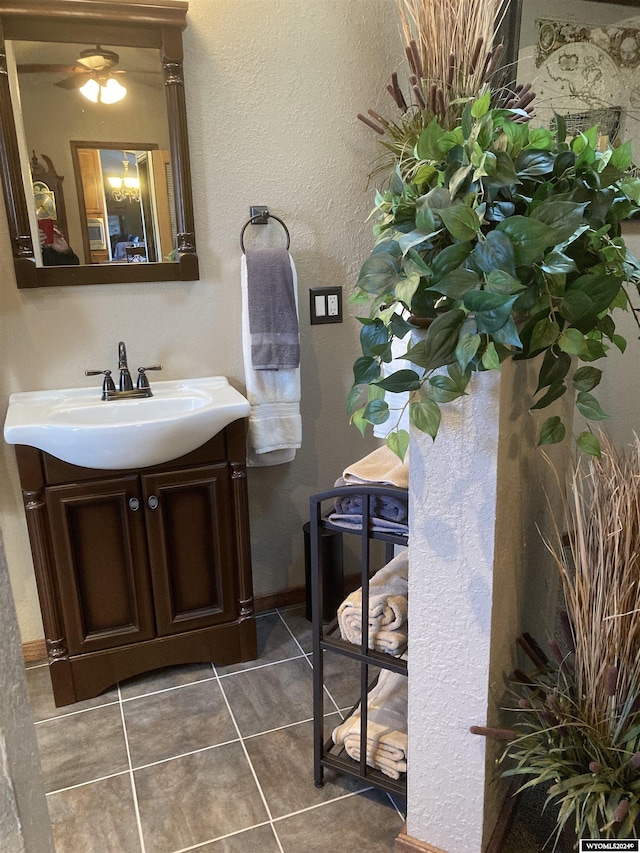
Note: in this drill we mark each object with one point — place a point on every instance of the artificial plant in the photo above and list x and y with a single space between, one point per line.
501 239
576 721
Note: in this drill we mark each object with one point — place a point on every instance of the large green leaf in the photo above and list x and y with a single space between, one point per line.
554 367
507 335
589 407
504 174
495 252
556 390
427 144
586 378
443 389
530 237
588 443
563 217
376 412
449 259
380 273
440 341
456 283
552 431
425 416
491 309
365 369
501 282
467 348
460 221
577 306
534 164
401 380
398 441
601 289
557 262
373 333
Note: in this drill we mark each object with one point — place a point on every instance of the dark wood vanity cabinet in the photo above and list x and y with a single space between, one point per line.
138 570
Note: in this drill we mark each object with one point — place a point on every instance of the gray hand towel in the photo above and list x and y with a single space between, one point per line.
273 318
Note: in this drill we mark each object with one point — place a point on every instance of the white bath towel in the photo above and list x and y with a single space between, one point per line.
388 609
275 425
386 726
382 467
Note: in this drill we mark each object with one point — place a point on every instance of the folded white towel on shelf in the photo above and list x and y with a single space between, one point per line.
275 425
382 467
386 726
388 609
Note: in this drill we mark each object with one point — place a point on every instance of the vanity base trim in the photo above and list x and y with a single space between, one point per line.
85 676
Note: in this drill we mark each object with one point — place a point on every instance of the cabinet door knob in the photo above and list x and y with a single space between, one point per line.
134 504
153 502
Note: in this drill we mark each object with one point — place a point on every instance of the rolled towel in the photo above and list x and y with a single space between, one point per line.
391 507
353 521
382 467
388 609
386 726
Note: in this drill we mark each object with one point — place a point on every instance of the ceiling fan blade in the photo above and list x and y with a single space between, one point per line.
35 68
75 81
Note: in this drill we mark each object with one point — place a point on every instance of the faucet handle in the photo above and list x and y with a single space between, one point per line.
108 384
143 382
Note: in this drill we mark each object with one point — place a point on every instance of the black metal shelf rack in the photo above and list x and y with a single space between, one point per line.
326 638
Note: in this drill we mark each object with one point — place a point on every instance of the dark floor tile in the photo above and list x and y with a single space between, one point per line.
95 818
275 643
363 823
197 798
41 696
177 721
342 679
299 626
161 679
283 761
270 697
82 747
259 839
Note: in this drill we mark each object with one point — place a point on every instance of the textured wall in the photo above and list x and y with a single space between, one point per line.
272 93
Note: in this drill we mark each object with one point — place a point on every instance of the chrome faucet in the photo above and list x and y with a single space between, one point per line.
126 391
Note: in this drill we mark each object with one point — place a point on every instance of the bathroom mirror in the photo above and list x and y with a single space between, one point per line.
97 89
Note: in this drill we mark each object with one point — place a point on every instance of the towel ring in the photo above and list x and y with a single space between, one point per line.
261 216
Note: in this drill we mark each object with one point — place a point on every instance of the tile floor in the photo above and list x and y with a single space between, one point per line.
213 759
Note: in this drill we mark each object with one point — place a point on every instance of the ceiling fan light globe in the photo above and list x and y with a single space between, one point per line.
91 90
112 91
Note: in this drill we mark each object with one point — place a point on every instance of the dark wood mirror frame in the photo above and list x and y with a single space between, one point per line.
141 23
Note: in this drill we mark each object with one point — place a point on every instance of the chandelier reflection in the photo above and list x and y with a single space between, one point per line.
125 188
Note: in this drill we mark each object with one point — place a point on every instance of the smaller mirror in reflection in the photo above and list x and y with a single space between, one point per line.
124 201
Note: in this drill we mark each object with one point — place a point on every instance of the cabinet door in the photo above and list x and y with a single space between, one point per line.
193 566
100 552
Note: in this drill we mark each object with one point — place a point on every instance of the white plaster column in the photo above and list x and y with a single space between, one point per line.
479 575
451 555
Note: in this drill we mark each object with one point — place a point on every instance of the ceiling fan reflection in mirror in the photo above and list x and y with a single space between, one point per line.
94 75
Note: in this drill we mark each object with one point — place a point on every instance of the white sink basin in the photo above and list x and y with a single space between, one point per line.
75 425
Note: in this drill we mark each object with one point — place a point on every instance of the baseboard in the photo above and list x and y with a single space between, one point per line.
407 844
34 650
283 598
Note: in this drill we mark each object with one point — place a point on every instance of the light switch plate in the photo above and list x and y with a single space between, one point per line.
325 305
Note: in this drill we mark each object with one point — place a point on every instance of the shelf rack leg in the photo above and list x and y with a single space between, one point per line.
317 610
